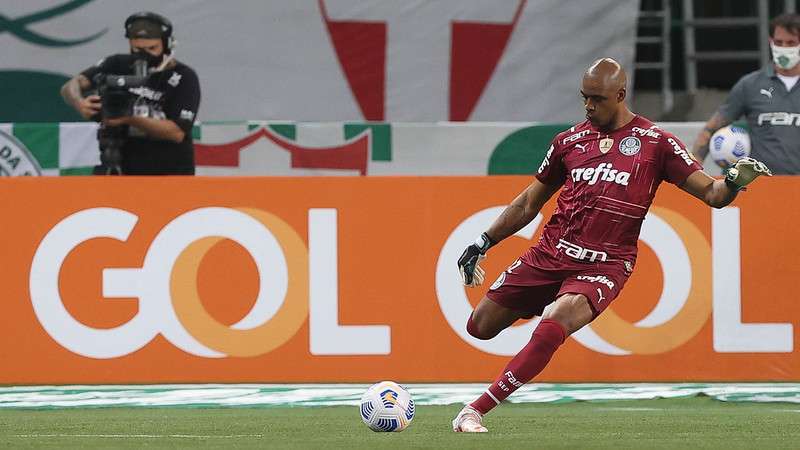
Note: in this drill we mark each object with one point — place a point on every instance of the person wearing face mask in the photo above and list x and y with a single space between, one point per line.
157 135
770 101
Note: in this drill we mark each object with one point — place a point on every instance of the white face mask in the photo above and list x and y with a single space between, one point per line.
785 57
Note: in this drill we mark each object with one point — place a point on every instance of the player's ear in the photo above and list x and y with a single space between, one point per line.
621 95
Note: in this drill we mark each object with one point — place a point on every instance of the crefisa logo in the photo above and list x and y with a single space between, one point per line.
15 159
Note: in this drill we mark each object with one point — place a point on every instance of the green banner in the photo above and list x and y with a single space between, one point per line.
319 149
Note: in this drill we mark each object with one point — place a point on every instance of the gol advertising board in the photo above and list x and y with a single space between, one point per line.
353 279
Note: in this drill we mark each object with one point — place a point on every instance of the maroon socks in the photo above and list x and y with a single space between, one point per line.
531 360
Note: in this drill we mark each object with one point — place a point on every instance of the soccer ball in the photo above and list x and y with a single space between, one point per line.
387 406
728 145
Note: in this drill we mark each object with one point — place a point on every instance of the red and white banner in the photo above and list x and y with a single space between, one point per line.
334 60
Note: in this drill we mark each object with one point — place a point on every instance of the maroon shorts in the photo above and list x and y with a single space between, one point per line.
529 289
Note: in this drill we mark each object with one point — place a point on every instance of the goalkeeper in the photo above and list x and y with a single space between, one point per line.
608 169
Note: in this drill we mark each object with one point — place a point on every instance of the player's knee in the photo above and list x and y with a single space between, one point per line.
478 328
572 311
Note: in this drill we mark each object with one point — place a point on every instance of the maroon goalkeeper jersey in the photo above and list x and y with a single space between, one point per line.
609 181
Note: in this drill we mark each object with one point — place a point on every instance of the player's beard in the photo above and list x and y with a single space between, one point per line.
596 122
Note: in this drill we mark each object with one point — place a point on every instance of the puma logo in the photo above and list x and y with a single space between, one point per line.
600 294
766 92
582 147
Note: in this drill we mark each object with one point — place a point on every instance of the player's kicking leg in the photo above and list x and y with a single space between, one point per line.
486 322
569 313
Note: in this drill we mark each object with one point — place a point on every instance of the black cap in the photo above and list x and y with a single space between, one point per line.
144 29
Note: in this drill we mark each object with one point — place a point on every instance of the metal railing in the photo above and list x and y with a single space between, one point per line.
691 24
659 19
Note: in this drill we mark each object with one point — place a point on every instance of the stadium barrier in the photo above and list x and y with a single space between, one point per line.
300 149
353 279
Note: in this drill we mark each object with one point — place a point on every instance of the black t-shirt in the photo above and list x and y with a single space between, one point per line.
172 94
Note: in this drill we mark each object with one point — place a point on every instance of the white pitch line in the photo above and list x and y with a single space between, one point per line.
622 408
141 436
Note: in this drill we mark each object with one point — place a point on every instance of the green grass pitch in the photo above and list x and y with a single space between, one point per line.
694 423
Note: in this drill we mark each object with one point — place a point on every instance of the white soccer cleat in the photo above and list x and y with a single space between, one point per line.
469 421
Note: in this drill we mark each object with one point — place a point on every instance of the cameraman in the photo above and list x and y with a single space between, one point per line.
154 136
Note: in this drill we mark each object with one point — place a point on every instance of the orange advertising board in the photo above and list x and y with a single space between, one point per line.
140 280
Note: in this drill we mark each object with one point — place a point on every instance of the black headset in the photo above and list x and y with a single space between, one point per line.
161 21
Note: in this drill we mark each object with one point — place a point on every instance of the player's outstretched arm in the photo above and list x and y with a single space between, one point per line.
519 213
720 193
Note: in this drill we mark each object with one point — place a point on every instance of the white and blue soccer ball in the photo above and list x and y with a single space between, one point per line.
387 406
728 145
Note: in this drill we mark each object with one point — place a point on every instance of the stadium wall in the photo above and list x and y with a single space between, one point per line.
302 148
353 279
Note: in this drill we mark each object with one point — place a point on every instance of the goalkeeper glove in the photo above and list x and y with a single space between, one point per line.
744 172
468 264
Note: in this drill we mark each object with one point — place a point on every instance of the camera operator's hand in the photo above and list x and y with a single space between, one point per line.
89 106
153 128
126 120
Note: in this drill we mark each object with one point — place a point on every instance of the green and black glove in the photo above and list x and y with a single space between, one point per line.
744 172
468 264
